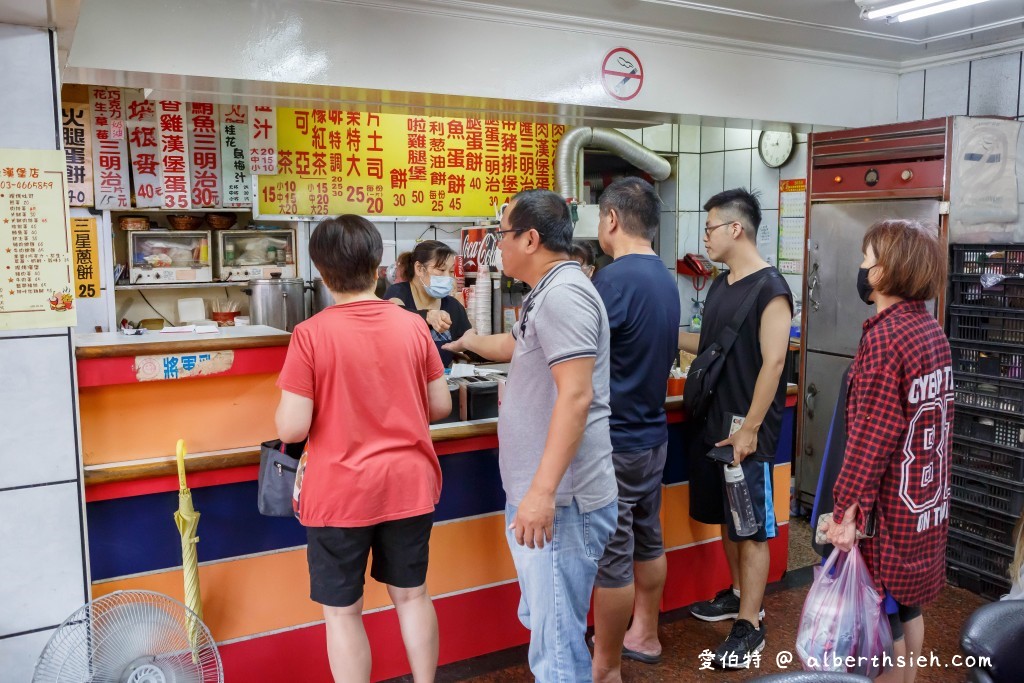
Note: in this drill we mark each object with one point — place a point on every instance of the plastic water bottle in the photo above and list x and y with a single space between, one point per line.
740 504
698 316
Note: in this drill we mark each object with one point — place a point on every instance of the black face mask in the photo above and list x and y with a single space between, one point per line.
864 288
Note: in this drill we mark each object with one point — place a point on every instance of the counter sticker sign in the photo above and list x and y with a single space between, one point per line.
182 365
622 74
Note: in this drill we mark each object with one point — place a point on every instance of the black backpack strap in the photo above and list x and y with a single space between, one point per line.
732 330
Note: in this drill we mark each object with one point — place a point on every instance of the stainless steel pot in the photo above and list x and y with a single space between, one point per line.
277 301
321 296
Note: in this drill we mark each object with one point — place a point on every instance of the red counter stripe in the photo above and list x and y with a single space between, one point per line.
100 372
142 487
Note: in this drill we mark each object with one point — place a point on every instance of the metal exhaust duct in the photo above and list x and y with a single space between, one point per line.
575 139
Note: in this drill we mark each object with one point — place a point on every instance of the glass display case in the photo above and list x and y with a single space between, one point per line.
169 256
241 255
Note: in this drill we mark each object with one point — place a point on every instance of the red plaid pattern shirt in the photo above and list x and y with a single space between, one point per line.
899 417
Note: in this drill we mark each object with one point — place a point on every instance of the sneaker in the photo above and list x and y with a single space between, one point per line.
725 605
742 648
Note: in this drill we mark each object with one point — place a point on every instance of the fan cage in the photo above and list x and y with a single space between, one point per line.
131 637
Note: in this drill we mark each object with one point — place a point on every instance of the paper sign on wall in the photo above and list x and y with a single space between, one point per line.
204 141
35 241
110 151
85 258
77 135
175 177
263 140
145 152
235 156
331 162
792 225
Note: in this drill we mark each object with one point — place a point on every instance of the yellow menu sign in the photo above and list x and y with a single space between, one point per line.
85 258
35 241
332 162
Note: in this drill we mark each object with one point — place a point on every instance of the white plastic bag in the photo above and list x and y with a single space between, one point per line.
844 626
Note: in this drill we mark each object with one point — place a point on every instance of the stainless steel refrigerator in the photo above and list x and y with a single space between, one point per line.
856 177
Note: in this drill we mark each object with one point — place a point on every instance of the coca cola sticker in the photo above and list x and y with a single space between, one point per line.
480 248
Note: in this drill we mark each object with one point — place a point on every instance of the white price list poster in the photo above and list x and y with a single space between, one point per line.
35 241
792 223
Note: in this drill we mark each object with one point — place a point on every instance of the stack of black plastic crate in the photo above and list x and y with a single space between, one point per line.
986 335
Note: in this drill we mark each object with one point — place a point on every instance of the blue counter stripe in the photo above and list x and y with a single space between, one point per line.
680 441
137 534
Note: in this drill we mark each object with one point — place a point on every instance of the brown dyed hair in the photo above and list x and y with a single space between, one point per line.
429 253
912 259
347 251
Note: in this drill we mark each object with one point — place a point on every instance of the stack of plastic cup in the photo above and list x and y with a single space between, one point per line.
481 307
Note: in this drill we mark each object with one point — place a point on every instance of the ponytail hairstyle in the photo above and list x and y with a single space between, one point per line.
429 253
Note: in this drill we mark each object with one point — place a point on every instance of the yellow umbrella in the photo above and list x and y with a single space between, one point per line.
187 520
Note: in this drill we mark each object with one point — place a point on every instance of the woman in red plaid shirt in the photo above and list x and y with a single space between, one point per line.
899 414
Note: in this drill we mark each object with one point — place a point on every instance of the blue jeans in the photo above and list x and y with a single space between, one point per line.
556 582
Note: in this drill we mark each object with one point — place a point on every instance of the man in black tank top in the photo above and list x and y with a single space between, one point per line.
745 413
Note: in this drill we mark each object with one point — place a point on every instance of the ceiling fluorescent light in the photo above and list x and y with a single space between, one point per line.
935 9
893 10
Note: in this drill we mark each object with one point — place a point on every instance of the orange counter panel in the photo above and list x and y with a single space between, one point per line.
134 421
251 595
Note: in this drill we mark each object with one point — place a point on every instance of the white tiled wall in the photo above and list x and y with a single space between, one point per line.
728 158
42 573
945 90
19 654
993 86
36 412
708 160
983 87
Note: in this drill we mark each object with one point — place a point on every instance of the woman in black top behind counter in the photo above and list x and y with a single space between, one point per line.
429 282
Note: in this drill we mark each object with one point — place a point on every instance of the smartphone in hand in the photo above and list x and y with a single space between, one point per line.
722 454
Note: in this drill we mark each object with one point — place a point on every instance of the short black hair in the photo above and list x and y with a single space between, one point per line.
545 212
583 252
743 205
637 205
346 250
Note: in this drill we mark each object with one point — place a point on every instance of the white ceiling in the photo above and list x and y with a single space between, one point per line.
829 26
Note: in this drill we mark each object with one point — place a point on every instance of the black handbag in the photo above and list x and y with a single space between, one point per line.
279 463
706 368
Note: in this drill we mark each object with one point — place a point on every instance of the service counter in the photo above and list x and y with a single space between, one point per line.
255 586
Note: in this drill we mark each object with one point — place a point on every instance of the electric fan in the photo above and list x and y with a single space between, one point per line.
130 637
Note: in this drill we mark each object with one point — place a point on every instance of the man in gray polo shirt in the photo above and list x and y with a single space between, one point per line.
553 433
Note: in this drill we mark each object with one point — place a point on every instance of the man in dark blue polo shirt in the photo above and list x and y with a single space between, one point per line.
643 315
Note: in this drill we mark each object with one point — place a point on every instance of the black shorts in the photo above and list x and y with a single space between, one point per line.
902 615
337 558
709 504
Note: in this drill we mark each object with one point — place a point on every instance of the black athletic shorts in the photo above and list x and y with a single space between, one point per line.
337 558
902 615
708 501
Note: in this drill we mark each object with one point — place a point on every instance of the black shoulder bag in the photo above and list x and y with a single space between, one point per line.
706 368
279 463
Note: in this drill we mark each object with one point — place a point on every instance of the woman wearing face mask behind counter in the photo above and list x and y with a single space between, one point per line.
429 284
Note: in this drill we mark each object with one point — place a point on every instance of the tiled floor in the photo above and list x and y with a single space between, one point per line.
683 637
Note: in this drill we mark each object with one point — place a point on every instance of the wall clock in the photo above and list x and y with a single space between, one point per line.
775 148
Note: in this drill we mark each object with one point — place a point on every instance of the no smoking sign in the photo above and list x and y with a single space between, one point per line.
622 74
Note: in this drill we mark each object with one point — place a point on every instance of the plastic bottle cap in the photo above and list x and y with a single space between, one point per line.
733 474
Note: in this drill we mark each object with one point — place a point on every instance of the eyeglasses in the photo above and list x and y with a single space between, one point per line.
711 228
502 232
